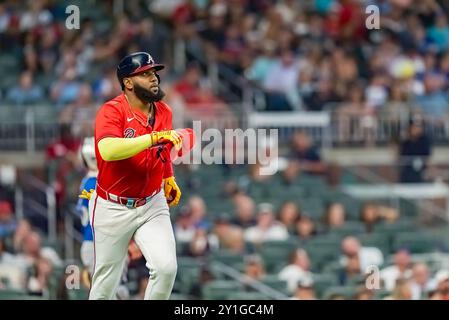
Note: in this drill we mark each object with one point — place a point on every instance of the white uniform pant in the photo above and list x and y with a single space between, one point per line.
113 226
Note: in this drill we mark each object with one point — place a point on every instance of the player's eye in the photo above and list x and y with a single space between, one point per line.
147 74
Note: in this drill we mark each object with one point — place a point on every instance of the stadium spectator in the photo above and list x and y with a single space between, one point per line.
334 216
66 89
401 291
7 221
305 228
198 212
280 84
420 282
442 281
304 290
371 214
304 158
33 250
400 269
414 153
267 228
350 270
199 245
22 230
433 102
244 211
26 92
12 271
254 270
227 236
364 294
297 269
38 280
184 227
353 252
289 212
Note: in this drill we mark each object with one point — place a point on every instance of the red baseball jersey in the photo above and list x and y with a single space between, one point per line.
142 174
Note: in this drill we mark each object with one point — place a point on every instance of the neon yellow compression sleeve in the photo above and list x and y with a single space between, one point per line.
113 149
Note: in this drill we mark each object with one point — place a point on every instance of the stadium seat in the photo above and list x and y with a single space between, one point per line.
323 281
402 225
275 253
248 296
274 282
322 251
416 242
227 257
347 292
78 294
220 289
376 239
353 228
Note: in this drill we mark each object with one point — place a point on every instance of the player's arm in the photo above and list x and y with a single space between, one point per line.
113 149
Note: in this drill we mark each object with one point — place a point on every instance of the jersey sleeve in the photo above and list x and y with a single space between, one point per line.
108 122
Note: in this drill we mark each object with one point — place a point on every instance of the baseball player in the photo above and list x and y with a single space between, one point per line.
135 187
88 183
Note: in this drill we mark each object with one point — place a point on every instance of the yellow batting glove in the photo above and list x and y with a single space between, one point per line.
86 194
172 191
159 137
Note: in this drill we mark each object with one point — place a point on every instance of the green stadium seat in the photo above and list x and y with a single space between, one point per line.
78 294
376 239
220 289
227 257
346 291
416 242
178 296
323 281
248 296
275 253
275 283
353 228
321 251
12 294
402 225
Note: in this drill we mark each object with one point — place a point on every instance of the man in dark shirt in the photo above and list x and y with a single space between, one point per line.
414 153
304 157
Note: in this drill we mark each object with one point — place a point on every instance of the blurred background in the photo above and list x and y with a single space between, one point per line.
363 133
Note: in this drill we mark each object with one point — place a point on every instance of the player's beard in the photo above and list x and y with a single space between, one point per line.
146 95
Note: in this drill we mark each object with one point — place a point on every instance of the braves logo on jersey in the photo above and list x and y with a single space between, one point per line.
129 133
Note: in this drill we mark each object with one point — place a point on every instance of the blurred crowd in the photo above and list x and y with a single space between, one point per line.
251 225
306 54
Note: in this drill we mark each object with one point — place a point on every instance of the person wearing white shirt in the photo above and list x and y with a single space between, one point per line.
421 283
297 270
368 256
400 269
266 229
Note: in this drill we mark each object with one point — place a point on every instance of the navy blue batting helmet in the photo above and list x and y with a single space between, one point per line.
134 64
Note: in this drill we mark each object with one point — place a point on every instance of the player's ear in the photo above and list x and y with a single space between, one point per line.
128 83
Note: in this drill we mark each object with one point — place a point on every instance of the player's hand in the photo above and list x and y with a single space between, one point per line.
172 191
161 137
86 194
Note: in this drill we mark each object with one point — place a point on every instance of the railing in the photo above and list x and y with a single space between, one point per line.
31 130
37 199
375 185
71 236
254 284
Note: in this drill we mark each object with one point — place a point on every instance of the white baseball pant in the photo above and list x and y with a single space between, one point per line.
113 226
